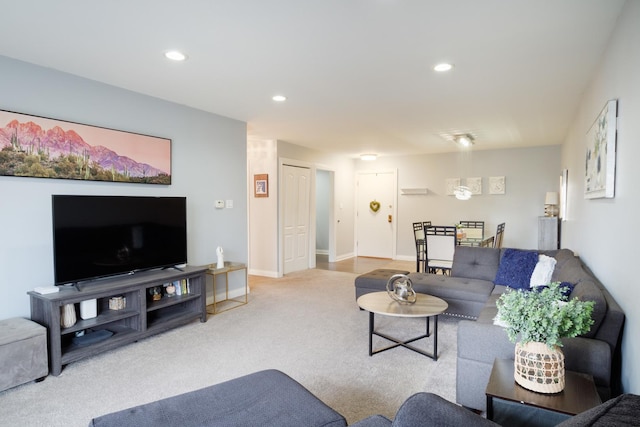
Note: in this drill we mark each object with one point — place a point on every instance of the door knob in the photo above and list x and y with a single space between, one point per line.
389 219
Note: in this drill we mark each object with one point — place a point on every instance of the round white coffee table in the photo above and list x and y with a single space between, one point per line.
426 306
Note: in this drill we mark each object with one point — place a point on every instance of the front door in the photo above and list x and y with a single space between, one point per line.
376 214
296 217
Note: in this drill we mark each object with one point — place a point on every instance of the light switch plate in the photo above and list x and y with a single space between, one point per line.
229 204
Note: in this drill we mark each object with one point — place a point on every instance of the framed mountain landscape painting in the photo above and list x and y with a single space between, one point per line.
40 147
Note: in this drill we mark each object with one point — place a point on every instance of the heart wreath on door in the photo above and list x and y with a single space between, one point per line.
374 206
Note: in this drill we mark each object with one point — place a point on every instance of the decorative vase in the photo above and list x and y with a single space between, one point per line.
539 368
67 315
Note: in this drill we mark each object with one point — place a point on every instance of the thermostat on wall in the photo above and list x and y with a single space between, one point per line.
219 204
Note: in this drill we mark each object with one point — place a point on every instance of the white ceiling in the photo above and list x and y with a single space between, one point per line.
357 73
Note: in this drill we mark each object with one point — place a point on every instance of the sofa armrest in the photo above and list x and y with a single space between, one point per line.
621 411
428 409
483 342
589 356
373 421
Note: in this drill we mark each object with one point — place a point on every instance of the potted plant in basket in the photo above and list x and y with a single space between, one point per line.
536 320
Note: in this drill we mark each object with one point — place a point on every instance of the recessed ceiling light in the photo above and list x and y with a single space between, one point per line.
279 98
443 67
175 55
368 157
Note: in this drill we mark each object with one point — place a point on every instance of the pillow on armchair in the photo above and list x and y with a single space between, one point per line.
516 267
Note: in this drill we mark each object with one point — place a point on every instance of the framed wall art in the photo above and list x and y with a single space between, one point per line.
600 161
40 147
261 185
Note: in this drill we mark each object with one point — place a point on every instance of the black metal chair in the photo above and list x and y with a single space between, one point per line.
421 250
488 242
473 229
497 243
441 245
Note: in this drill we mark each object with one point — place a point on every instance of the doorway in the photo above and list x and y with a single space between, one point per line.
324 210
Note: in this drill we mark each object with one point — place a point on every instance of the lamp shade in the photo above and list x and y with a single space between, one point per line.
551 198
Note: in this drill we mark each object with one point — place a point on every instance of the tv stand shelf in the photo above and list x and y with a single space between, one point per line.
142 317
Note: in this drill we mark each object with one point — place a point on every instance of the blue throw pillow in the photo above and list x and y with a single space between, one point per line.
565 287
516 267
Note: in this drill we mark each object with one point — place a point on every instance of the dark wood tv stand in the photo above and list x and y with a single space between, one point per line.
142 317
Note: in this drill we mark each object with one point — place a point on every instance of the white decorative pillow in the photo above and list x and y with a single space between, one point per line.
542 273
499 322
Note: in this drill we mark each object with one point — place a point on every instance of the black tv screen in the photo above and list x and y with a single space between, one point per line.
99 236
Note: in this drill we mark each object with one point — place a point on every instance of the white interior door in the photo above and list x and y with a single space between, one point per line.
376 230
296 217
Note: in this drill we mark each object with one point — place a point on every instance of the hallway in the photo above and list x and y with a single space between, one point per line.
361 265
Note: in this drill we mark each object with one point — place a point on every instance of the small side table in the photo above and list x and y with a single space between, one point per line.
229 267
579 394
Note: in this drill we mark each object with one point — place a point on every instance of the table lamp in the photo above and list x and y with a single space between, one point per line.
551 204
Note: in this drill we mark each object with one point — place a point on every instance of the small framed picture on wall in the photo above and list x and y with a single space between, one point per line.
261 185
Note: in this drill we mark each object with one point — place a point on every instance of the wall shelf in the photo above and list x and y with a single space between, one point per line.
414 191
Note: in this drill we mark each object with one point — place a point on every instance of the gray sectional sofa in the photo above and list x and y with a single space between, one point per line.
272 398
471 293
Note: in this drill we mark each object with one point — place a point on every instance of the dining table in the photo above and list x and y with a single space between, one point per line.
464 240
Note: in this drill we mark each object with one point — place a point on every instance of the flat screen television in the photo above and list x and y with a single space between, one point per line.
100 236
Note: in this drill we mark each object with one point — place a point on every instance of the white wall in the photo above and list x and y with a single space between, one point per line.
208 163
603 230
262 158
529 174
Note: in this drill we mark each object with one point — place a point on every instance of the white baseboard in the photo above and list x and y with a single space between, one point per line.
345 256
405 257
264 273
322 252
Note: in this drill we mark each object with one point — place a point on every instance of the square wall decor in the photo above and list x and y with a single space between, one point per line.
450 185
475 185
497 185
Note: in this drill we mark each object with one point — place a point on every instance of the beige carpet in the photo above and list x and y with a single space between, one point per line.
306 324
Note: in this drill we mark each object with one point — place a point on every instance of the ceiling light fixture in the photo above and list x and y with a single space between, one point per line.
464 140
368 157
279 98
462 192
442 67
175 55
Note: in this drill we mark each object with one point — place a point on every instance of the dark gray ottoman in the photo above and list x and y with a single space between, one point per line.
23 352
265 398
375 281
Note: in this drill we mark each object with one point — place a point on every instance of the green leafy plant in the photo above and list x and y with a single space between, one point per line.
543 316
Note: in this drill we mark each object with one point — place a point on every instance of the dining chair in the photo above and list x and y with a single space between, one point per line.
472 229
488 242
421 250
497 243
441 244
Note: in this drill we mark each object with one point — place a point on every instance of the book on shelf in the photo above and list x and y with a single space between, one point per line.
178 287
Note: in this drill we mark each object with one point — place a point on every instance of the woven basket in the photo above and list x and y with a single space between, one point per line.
539 368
